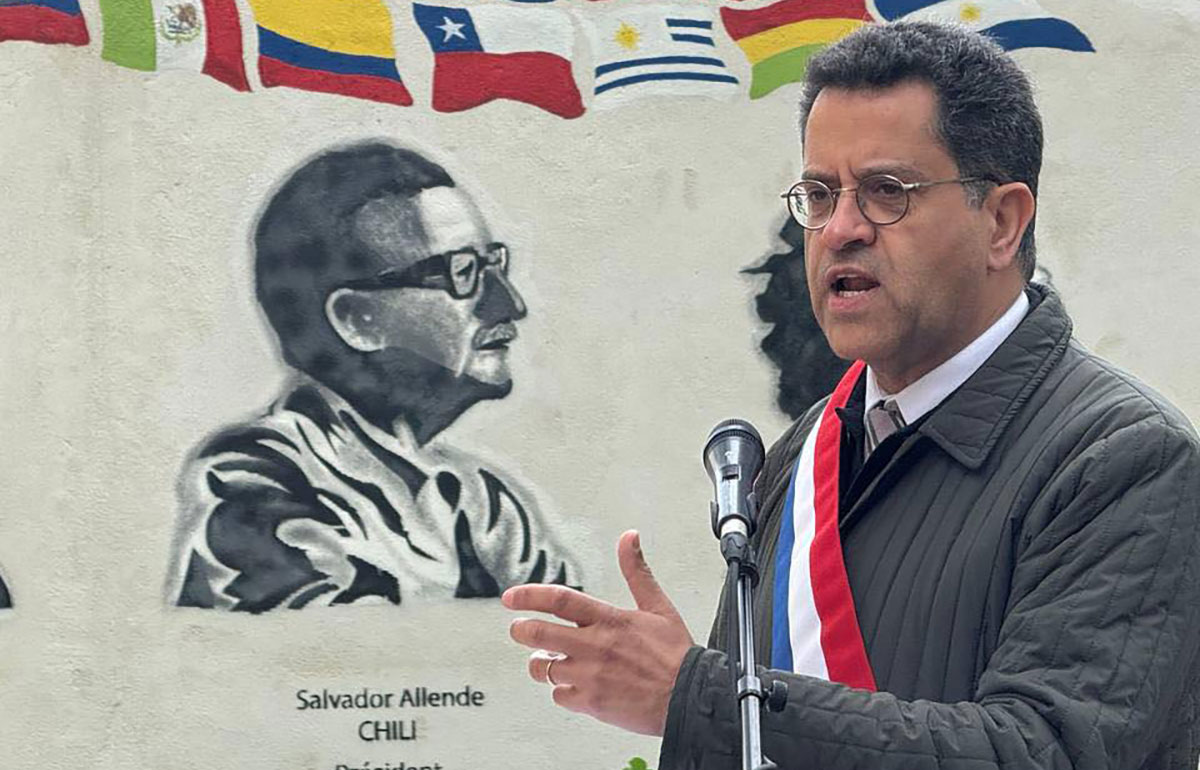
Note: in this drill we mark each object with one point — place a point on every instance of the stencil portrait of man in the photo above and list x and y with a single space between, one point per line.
5 597
390 298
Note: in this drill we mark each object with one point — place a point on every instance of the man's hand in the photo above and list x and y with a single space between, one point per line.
616 665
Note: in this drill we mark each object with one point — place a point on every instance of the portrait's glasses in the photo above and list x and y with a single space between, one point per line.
882 198
456 272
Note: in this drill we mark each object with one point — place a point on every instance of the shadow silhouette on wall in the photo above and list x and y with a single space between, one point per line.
808 368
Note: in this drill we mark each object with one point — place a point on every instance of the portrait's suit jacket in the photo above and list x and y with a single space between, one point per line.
313 505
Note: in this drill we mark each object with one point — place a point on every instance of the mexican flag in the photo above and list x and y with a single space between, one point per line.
197 35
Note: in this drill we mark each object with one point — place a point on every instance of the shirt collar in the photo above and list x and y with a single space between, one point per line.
401 443
934 386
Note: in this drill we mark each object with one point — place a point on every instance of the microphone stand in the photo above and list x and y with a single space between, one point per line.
742 576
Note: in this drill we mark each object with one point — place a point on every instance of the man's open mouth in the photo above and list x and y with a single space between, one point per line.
849 281
849 286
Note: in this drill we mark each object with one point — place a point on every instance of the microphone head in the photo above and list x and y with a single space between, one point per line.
733 456
733 443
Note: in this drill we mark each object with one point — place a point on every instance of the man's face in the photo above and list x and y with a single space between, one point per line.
467 336
906 296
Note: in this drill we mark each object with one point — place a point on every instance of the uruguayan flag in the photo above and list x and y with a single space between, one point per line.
655 50
1012 23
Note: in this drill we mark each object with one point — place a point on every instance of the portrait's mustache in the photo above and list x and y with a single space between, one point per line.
495 336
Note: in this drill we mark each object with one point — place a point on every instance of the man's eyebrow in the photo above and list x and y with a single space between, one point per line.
820 176
906 172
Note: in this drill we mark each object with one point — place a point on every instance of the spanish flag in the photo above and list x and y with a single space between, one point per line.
332 46
779 38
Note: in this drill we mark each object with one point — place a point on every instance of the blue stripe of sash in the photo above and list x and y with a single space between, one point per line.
781 636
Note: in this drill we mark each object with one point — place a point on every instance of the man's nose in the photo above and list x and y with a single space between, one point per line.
847 225
499 300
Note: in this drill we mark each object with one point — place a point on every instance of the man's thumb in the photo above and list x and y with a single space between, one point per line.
647 594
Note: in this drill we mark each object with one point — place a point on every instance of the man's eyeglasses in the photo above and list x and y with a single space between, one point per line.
882 198
456 272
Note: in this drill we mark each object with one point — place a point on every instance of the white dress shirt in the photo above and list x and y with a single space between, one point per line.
933 387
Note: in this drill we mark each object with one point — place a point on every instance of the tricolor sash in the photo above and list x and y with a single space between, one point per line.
815 627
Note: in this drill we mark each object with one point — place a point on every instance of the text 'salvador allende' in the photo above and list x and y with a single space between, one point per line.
371 730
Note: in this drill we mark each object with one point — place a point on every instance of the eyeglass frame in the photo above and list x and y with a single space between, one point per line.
437 266
908 187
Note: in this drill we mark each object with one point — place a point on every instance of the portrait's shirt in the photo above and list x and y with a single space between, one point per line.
313 505
921 396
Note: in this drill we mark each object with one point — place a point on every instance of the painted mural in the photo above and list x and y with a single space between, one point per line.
506 51
5 596
389 296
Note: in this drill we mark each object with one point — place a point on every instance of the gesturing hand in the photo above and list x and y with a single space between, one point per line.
616 665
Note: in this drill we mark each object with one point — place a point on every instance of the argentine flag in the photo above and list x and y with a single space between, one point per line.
1011 23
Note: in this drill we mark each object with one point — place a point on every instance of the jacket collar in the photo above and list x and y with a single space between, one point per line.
970 422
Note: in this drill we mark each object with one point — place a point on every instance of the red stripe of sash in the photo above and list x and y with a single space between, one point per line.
841 639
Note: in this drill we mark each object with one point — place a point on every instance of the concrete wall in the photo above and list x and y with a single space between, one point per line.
130 331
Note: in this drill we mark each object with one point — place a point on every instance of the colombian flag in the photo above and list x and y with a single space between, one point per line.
332 46
779 39
43 21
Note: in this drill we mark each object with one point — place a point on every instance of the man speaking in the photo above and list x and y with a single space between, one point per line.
1013 578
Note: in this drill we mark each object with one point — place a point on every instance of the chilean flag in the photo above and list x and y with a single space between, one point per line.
498 52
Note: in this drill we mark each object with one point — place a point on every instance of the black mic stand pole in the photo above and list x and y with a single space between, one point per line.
741 578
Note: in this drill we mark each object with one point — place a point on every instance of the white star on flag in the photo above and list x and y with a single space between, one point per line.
451 29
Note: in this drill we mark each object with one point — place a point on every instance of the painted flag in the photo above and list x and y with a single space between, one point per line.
331 46
197 35
43 21
656 50
500 52
1012 23
780 38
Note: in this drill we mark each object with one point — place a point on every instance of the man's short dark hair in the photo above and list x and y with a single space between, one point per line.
987 119
305 243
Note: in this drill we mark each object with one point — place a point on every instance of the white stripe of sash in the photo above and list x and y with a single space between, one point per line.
804 625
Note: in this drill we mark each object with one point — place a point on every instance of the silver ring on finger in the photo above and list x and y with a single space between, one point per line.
550 665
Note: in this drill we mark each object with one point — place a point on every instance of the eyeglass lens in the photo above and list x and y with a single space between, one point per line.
882 199
465 266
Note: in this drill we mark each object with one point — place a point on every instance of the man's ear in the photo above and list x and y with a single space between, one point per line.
354 317
1011 207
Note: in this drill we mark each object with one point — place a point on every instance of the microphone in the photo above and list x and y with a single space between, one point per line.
733 456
